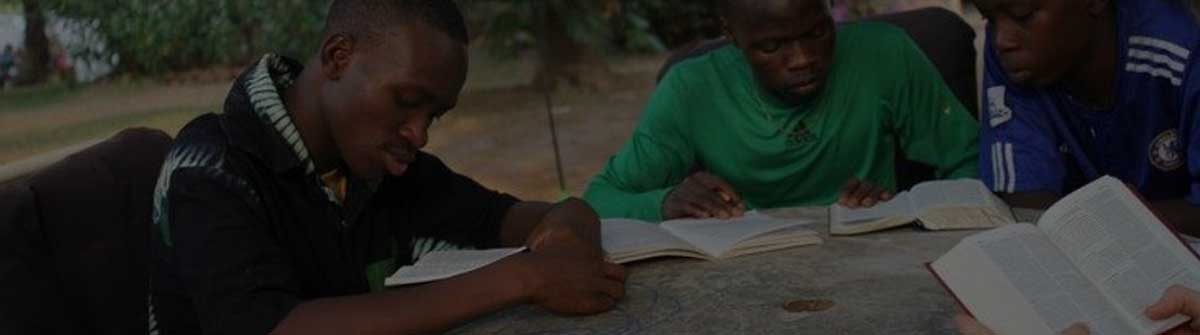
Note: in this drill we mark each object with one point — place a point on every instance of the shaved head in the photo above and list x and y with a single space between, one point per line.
788 43
1040 43
369 20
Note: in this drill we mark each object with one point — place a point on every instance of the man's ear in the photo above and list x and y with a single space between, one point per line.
336 52
1098 7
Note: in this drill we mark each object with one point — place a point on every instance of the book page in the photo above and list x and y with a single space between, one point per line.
628 240
715 237
776 240
1121 247
1014 280
900 206
959 204
940 218
440 265
950 193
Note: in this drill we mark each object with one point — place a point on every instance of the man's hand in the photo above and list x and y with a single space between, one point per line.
969 326
571 226
572 284
861 194
702 195
566 262
1177 300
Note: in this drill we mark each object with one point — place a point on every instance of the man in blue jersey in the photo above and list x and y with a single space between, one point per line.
1077 89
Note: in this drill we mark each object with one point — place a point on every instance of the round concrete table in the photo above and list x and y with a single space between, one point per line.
877 281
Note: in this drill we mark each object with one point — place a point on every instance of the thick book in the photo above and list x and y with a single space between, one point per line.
627 240
935 205
1098 256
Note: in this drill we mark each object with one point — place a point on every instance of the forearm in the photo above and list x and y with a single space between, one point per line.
1181 214
522 218
533 218
423 309
611 201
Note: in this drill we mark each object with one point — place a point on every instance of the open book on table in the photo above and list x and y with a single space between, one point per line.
628 240
1098 256
438 265
935 205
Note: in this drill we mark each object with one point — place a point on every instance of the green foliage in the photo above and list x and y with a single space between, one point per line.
9 7
607 25
157 36
676 22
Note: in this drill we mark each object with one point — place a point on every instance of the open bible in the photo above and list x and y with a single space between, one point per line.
1098 256
628 240
935 205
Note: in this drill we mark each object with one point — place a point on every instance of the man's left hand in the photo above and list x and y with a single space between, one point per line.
571 226
861 194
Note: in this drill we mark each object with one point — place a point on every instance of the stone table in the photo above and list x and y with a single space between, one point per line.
878 283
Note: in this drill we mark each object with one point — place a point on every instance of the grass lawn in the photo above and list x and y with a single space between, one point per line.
44 118
20 98
25 144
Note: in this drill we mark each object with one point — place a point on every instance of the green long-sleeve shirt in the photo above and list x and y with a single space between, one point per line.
709 113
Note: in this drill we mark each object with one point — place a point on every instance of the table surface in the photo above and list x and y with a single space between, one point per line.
877 281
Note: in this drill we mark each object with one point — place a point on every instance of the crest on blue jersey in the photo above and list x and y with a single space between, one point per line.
1164 151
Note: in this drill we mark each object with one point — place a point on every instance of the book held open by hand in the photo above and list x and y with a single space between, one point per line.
1098 256
935 205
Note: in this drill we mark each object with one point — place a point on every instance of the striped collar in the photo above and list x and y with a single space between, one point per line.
262 85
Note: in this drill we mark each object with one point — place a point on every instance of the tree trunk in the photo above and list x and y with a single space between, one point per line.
35 61
565 60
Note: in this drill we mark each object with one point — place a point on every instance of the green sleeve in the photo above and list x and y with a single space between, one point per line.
657 157
932 125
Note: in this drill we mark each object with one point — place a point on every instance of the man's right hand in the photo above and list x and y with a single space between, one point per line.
573 284
702 195
1177 300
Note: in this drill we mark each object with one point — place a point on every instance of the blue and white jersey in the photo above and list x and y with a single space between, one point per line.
1043 140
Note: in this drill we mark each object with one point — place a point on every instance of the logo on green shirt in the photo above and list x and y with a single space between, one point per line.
800 135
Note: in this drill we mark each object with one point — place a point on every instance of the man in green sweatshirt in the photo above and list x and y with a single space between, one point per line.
794 112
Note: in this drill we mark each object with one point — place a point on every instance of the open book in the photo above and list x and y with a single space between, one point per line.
1098 256
935 205
438 265
628 240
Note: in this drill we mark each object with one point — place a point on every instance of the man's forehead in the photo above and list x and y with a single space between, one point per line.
417 47
423 64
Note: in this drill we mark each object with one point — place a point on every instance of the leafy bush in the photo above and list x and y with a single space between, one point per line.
159 36
156 36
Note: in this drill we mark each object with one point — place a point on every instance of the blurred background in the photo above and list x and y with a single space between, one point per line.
74 71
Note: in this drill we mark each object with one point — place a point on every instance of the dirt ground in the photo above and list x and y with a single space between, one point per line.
498 135
501 136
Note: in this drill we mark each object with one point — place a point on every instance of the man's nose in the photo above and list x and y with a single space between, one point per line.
1007 39
799 57
416 132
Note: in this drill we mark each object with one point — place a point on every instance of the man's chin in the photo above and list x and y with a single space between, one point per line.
1029 78
797 94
